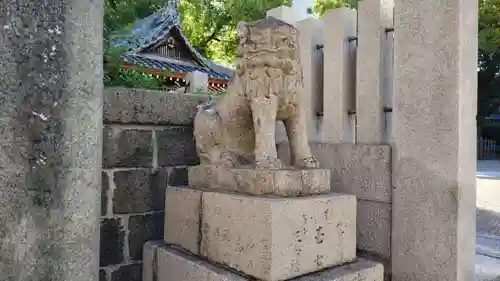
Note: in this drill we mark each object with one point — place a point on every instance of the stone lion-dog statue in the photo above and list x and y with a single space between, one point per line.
239 128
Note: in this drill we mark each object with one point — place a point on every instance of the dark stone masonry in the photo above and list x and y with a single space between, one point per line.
112 236
147 145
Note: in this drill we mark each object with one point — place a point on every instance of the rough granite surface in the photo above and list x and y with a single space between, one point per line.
50 147
434 139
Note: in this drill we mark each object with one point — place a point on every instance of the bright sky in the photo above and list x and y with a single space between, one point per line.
301 6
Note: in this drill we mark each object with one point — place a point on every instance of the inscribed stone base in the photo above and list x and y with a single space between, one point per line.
282 182
176 265
278 238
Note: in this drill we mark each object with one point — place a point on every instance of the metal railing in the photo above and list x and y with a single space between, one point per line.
486 149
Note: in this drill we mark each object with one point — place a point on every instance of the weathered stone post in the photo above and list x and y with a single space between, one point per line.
197 81
310 36
339 75
434 156
50 139
374 16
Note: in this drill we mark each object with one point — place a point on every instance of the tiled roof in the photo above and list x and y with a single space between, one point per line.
148 31
152 29
170 66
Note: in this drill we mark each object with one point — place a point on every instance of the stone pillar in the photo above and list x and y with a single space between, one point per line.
198 81
50 144
374 17
339 75
434 137
311 35
284 13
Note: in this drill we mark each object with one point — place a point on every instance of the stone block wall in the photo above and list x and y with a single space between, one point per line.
147 145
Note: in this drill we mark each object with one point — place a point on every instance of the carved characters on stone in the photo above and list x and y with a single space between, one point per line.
239 128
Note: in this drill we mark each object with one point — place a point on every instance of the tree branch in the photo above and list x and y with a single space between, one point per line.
212 36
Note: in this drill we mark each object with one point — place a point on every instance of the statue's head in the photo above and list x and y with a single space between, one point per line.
242 30
268 43
268 34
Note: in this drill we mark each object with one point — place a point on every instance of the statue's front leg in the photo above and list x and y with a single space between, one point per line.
300 152
264 110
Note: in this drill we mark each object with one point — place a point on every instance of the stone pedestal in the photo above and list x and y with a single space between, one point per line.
50 139
270 225
284 182
278 238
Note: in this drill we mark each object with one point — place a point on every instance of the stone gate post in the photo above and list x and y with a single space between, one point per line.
434 133
50 139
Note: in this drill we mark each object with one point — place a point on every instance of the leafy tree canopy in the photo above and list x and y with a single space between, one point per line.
322 6
210 25
489 58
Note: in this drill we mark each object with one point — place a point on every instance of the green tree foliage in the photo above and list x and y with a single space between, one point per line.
489 60
322 6
489 26
119 16
116 75
210 25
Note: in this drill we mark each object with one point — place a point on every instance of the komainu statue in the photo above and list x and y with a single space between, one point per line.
239 128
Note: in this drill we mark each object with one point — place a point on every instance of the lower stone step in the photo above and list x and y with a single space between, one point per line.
165 263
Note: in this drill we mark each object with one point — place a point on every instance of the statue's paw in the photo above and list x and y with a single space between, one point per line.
308 163
268 163
226 160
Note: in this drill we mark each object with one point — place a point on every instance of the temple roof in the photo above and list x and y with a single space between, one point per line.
148 62
150 31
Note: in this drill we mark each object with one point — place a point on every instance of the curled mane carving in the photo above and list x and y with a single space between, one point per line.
268 44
